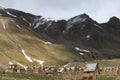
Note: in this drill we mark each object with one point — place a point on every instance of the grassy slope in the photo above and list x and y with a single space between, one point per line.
22 76
107 78
101 63
13 39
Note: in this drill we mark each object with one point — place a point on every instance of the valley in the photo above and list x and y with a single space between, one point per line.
28 40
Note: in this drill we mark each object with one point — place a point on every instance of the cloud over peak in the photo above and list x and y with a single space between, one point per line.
99 10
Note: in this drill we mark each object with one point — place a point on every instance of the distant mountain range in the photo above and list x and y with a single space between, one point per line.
57 42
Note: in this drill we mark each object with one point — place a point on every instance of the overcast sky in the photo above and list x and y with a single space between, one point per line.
99 10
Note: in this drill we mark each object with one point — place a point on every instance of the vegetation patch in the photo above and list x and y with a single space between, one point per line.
107 78
23 76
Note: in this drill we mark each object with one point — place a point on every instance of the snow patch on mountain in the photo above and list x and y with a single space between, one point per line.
98 26
50 19
39 61
88 36
26 20
18 26
7 12
37 25
48 25
82 50
14 23
47 42
78 19
26 56
11 63
38 21
10 14
4 26
25 67
67 64
81 53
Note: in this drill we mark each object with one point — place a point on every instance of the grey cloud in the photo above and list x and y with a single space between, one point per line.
100 10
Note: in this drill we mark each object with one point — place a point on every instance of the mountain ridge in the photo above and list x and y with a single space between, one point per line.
83 35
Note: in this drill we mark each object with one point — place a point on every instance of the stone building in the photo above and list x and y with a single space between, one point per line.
12 68
91 72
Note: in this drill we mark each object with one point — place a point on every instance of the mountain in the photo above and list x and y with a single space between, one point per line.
21 45
31 39
82 31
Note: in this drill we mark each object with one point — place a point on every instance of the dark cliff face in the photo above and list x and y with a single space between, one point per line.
81 31
56 29
113 26
53 29
82 27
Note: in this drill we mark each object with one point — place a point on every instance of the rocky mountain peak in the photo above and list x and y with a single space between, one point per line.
114 19
83 18
84 15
